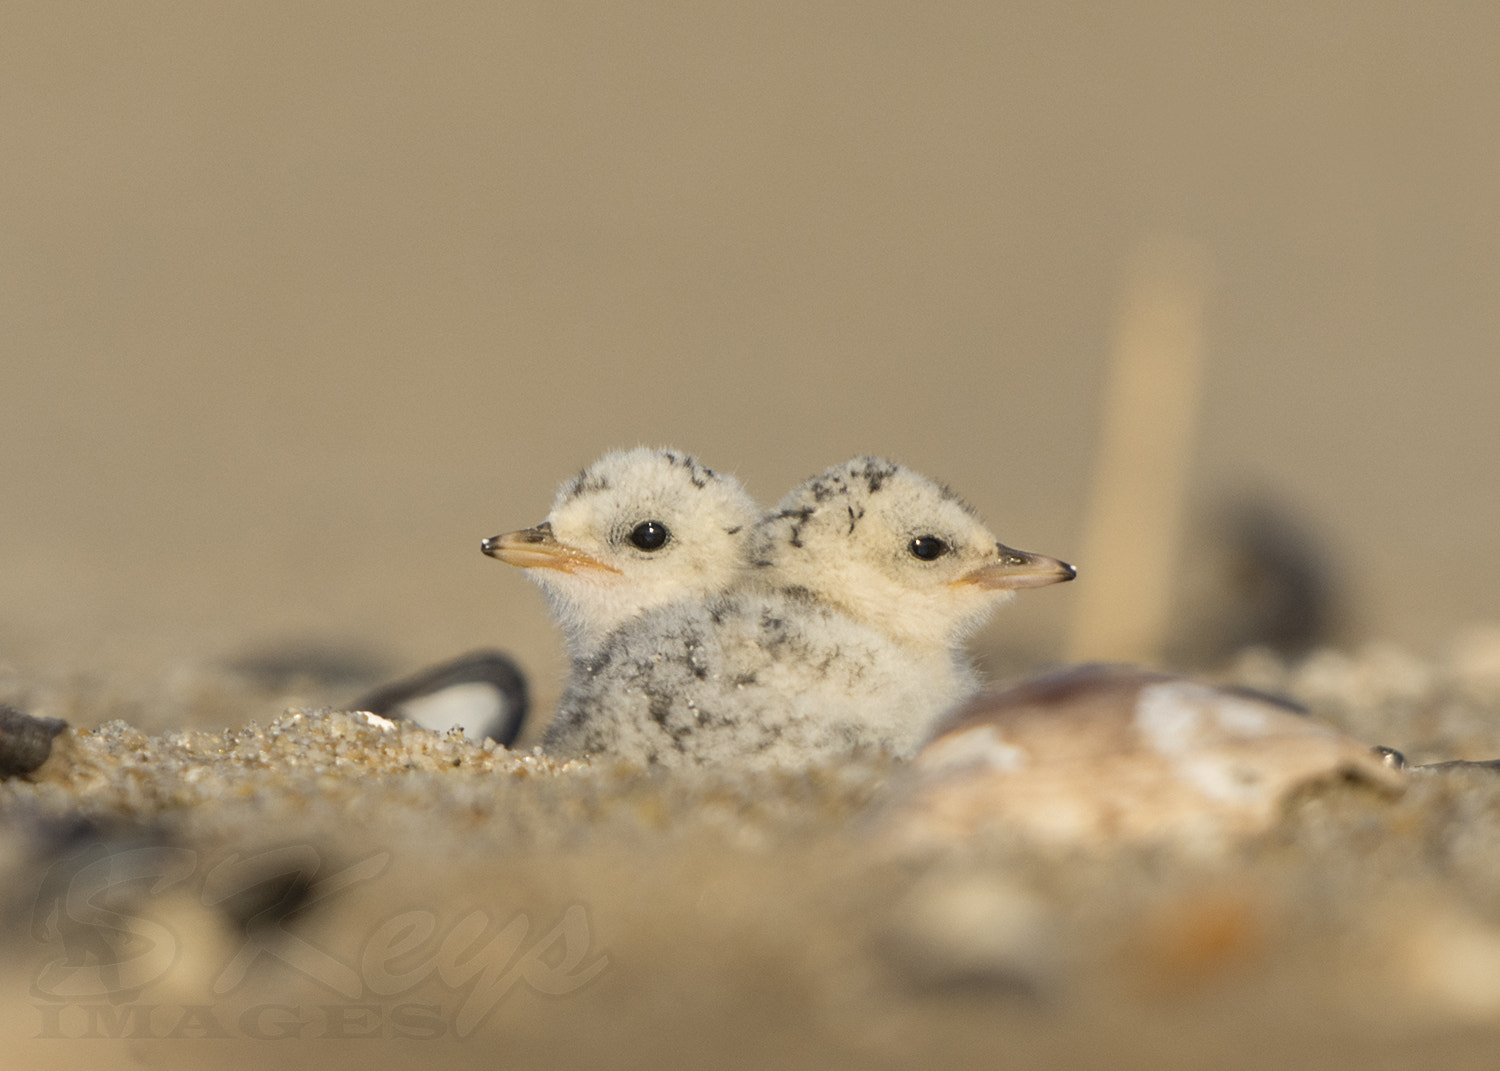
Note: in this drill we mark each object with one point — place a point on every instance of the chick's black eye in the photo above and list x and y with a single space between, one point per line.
649 535
927 548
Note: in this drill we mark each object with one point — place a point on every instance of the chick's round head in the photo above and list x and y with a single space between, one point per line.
635 530
889 547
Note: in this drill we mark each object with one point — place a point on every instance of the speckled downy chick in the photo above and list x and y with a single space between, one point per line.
635 530
846 636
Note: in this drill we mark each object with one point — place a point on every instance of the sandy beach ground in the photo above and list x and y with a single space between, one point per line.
326 889
298 305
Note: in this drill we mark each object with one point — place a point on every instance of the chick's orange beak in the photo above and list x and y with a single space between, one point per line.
538 548
1018 569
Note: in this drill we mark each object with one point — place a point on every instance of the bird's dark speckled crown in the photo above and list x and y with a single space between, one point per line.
590 481
843 488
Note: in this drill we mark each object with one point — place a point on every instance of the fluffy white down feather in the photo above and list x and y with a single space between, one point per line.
753 678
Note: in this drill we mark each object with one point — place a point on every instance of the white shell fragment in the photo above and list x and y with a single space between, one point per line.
1108 754
377 721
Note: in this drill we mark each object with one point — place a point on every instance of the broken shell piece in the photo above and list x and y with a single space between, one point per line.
483 691
1096 755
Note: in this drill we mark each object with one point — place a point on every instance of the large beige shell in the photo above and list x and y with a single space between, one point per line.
1097 755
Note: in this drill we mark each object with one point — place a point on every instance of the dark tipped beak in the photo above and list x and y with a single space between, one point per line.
538 548
1013 569
499 546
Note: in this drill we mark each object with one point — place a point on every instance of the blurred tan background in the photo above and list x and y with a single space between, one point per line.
298 302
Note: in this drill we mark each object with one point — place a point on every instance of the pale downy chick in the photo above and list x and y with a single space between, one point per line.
635 530
846 636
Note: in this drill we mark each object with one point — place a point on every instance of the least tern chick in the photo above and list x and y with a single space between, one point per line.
846 635
635 530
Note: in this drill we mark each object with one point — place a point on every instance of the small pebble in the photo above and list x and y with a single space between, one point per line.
25 741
